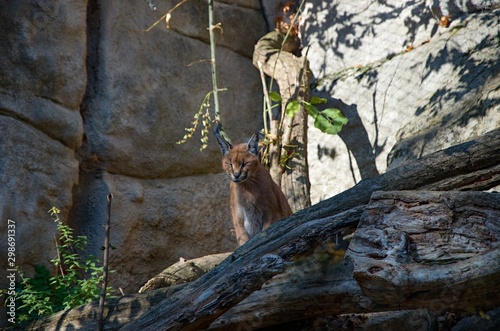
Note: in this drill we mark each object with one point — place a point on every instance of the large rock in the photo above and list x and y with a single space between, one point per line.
36 173
467 103
90 103
145 89
43 48
153 221
229 14
42 83
149 85
445 84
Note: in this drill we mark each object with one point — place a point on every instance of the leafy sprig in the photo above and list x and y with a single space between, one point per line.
329 120
77 281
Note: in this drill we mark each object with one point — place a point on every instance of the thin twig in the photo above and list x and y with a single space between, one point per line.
211 28
105 265
284 40
166 17
59 255
155 23
267 100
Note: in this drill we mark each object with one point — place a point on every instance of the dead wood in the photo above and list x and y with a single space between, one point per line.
239 275
429 249
288 158
411 250
184 271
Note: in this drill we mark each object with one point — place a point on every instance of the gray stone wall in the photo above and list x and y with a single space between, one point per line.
406 84
90 103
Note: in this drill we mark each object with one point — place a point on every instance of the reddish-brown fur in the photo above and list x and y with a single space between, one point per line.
256 201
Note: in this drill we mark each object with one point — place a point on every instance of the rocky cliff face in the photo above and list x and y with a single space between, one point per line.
408 85
42 83
90 103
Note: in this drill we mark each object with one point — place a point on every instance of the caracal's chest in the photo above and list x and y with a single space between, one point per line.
252 220
250 210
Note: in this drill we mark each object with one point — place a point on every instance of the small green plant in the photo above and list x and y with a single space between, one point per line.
329 120
76 282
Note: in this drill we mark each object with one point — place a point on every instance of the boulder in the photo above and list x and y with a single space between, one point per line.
36 173
42 83
148 86
466 104
91 103
43 49
153 221
398 76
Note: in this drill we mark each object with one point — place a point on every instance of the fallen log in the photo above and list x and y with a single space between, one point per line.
228 284
198 304
184 271
438 250
412 250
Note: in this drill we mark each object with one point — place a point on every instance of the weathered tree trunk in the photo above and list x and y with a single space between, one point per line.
429 249
184 271
289 167
295 178
411 250
472 165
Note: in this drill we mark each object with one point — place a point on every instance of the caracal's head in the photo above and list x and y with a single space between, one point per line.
241 160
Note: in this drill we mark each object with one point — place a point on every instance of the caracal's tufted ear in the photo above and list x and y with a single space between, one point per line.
224 145
253 144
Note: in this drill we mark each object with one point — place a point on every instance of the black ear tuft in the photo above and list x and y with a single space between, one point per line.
253 144
224 145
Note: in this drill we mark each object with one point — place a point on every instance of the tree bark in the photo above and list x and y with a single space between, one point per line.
184 271
450 262
474 164
288 155
238 276
295 178
429 249
411 250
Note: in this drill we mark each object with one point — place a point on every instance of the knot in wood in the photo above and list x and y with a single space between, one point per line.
272 263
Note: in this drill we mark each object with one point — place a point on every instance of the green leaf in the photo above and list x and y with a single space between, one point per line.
335 114
44 294
292 108
275 96
317 100
330 121
311 110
